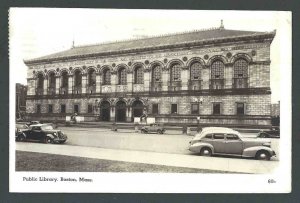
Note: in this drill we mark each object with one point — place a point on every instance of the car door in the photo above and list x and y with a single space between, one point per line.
233 144
152 128
218 142
36 133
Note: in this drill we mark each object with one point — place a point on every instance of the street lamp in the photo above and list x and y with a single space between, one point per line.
199 101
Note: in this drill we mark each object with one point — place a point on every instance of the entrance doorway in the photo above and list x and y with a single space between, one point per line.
120 111
137 109
105 111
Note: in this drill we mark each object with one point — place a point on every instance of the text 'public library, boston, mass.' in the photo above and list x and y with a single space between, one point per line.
219 75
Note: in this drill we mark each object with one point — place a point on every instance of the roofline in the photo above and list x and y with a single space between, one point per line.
264 35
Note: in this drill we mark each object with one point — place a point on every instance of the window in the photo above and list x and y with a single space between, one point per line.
77 78
138 75
52 80
155 108
62 108
195 109
218 136
209 136
50 108
38 108
40 83
240 108
196 71
92 77
175 72
156 74
240 68
106 75
174 109
76 108
64 78
232 137
217 70
216 108
90 108
122 76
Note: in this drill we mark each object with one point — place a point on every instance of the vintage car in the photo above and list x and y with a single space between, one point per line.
274 132
225 141
43 133
153 128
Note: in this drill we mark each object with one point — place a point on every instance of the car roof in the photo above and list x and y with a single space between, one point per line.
216 130
39 125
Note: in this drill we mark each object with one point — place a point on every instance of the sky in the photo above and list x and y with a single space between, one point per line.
35 32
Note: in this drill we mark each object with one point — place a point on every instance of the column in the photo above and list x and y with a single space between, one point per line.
84 83
128 113
129 82
147 81
57 85
228 74
113 82
45 86
205 75
31 86
98 83
112 113
184 78
165 79
70 84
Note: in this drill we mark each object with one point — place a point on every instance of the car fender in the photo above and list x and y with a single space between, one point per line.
21 133
251 151
196 147
51 136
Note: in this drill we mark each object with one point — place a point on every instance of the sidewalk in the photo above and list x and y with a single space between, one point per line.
177 160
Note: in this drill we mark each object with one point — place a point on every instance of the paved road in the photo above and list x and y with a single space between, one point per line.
174 143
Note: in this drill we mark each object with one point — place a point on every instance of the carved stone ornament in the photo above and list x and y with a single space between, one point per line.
185 58
165 60
113 65
253 52
229 54
129 63
57 69
206 56
98 66
70 68
33 72
45 70
84 67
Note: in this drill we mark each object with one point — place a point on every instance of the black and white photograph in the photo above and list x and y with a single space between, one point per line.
147 101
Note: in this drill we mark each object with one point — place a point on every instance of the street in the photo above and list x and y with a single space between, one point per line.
126 145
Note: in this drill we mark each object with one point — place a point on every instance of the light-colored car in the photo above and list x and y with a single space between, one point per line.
225 141
153 128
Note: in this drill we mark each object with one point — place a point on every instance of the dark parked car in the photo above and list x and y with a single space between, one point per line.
274 132
41 132
153 128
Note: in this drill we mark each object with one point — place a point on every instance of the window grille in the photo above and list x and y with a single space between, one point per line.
196 71
217 70
175 72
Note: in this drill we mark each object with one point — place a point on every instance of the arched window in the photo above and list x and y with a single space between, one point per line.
138 75
175 72
106 77
217 75
77 78
196 71
64 79
156 74
52 80
40 81
92 77
240 73
122 76
217 70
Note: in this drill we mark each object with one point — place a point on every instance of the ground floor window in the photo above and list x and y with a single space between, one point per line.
240 108
155 108
195 109
90 108
174 109
50 108
76 108
62 108
216 108
38 108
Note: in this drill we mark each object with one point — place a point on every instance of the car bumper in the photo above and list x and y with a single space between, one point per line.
60 140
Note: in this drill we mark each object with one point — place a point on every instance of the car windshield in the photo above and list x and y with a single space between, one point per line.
47 127
21 126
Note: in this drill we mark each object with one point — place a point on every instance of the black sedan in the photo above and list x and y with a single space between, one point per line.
274 132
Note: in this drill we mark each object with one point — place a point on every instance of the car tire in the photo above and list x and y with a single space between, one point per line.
263 155
21 138
159 132
205 151
49 140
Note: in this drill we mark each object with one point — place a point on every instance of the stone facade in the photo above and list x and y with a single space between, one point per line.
121 91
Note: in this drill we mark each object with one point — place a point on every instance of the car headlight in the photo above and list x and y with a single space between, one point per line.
55 134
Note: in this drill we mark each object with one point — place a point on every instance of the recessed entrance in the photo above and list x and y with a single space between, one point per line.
105 111
137 109
120 111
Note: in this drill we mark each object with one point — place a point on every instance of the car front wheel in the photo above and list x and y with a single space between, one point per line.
49 140
21 138
205 151
263 155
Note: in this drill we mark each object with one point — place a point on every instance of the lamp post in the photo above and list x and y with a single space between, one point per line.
199 101
96 107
